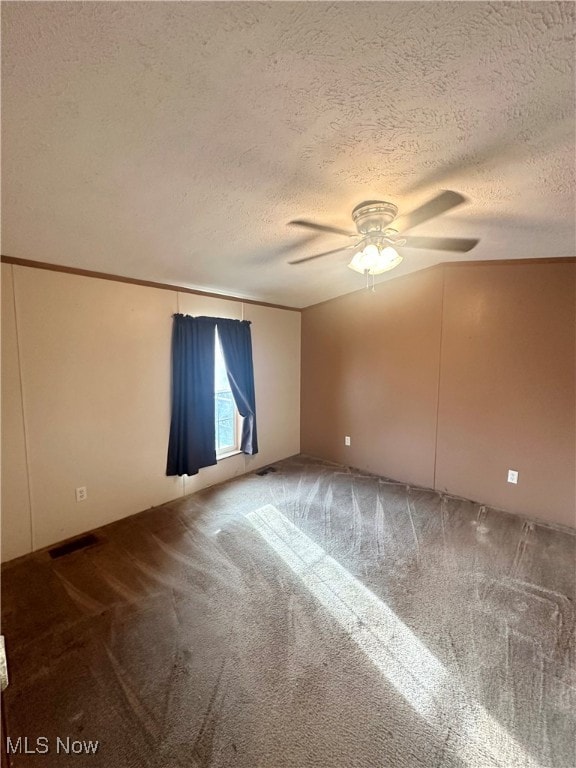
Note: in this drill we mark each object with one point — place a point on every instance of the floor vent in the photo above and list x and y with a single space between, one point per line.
266 470
73 546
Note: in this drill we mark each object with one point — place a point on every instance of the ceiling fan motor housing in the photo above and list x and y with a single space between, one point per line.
373 216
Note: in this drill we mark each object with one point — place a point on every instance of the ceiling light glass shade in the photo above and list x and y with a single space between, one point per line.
374 260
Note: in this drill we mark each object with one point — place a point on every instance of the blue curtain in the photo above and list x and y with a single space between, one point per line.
192 443
236 341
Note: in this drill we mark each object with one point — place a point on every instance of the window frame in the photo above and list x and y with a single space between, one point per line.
233 449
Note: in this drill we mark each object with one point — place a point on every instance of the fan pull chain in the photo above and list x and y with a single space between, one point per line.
368 286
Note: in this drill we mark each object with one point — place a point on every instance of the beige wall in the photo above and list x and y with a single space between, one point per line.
15 533
448 378
94 367
276 353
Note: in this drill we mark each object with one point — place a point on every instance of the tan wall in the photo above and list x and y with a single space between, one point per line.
507 398
488 350
370 371
95 374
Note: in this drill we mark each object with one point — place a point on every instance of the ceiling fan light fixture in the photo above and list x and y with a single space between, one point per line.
375 252
374 259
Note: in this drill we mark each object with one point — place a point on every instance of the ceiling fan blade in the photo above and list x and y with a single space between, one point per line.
320 227
439 204
318 255
458 244
282 250
269 254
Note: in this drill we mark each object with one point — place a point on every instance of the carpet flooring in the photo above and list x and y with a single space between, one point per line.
312 616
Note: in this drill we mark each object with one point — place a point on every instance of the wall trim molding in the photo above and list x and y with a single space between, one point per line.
453 264
509 262
228 297
134 281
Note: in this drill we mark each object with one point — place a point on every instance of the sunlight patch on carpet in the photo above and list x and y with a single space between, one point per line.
423 681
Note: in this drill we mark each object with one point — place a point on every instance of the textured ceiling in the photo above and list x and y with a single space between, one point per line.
174 141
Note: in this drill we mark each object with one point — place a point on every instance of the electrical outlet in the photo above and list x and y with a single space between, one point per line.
81 493
512 476
347 440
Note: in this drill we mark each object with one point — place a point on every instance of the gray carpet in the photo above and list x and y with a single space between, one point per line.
313 616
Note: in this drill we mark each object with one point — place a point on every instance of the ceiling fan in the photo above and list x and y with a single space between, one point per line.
378 233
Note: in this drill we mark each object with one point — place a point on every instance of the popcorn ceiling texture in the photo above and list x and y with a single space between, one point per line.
173 141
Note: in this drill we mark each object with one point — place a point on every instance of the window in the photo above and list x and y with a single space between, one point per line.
205 424
226 415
